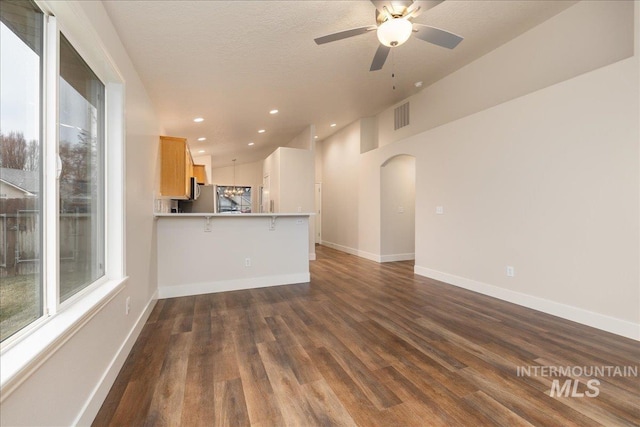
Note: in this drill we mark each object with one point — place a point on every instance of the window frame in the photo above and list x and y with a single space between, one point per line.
220 192
28 348
41 197
103 202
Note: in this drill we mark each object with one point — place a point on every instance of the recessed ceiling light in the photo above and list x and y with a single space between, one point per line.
316 137
201 151
418 84
198 119
333 125
251 143
202 138
261 131
273 112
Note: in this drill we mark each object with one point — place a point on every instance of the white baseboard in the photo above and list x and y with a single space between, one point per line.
575 314
312 256
93 404
231 285
352 251
397 257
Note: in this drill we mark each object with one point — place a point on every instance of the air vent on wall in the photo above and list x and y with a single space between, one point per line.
401 116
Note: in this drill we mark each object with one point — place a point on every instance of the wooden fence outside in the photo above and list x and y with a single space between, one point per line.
20 240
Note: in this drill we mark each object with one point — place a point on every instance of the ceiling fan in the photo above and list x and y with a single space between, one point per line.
394 27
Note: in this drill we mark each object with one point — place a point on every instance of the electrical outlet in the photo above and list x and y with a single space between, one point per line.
439 210
511 272
207 227
247 262
400 209
127 306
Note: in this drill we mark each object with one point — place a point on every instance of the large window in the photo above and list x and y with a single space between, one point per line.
234 199
81 178
21 64
67 207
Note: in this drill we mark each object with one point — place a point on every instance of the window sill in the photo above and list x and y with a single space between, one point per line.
22 359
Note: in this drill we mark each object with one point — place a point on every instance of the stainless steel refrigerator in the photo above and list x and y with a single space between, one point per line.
207 202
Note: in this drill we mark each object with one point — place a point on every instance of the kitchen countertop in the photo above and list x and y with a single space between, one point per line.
229 215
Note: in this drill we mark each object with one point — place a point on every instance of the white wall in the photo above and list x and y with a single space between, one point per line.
318 161
397 208
547 182
290 171
341 189
271 180
555 196
70 385
582 38
304 140
291 183
368 134
206 161
296 180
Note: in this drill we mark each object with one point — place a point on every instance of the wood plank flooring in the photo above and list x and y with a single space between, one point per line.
364 344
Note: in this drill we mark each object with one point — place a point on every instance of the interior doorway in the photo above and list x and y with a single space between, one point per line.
398 208
318 212
265 197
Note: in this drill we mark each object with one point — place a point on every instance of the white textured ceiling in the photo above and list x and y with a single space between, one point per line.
233 61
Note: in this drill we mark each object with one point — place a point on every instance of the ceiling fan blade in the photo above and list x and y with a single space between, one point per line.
401 5
428 4
345 34
436 36
414 10
380 57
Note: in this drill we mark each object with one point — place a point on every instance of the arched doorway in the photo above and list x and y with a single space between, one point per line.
397 208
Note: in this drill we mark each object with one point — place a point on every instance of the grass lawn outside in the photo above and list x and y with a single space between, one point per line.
19 302
20 299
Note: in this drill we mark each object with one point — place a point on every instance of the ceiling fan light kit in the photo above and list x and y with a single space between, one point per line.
394 27
394 32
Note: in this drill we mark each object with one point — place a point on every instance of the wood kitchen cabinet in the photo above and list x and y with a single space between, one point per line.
200 174
176 168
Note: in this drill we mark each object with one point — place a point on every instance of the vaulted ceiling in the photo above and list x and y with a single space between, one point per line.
231 62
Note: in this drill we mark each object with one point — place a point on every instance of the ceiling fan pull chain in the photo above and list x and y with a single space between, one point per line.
393 69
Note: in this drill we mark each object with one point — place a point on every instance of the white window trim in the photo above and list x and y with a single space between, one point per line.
51 164
27 355
22 354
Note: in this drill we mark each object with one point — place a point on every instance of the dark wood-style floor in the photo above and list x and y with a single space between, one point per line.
363 344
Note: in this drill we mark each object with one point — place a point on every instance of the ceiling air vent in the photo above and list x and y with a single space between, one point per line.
401 116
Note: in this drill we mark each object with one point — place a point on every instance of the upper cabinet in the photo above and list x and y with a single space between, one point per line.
176 168
200 174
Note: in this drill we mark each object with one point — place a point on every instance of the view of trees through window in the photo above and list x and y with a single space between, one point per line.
21 296
81 202
80 219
